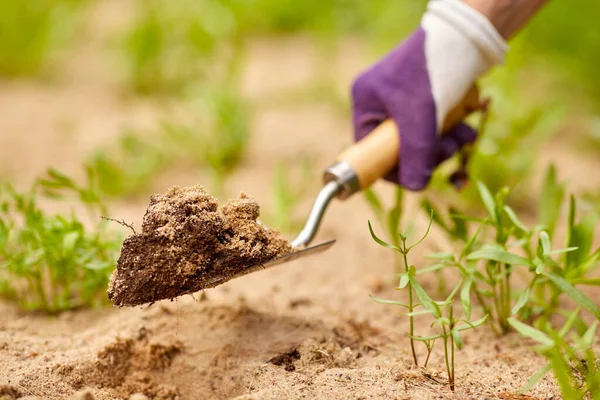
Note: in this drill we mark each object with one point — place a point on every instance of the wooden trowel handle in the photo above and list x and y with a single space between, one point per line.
377 154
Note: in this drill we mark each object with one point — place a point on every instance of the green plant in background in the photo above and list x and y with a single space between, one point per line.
390 219
450 325
218 136
174 43
31 30
52 263
570 356
503 245
287 191
130 168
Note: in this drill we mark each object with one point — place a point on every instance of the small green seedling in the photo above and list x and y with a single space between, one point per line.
503 245
31 30
443 312
172 44
52 263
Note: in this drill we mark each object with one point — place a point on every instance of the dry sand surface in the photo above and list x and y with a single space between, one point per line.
304 330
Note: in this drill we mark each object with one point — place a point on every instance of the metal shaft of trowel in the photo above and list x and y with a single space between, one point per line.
340 181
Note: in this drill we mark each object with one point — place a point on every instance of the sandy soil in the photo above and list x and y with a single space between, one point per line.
304 330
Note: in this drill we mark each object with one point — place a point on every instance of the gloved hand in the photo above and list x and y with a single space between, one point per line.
421 81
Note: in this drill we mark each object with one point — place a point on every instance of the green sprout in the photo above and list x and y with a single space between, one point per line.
443 312
52 263
503 245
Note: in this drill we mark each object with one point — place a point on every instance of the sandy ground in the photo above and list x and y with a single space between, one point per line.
340 344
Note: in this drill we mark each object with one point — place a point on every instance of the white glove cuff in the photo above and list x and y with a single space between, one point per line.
461 44
474 25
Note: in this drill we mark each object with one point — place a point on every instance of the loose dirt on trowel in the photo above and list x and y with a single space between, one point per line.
188 244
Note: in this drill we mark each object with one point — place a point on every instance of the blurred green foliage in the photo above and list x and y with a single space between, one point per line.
30 30
565 35
172 43
52 262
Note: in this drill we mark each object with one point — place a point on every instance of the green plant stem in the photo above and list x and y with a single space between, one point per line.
429 350
452 346
410 304
507 273
446 357
486 309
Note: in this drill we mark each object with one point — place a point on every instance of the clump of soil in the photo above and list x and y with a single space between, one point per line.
126 366
286 359
187 244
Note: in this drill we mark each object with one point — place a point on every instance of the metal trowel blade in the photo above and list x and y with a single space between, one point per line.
318 248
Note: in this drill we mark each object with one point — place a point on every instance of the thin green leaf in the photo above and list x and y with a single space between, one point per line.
545 240
425 338
515 220
433 268
588 338
469 245
385 301
523 298
457 339
471 324
531 332
561 251
450 297
571 318
550 200
540 268
419 313
424 298
441 256
496 253
396 213
488 200
381 242
465 297
582 237
373 200
403 281
586 281
69 241
535 379
574 294
562 373
426 233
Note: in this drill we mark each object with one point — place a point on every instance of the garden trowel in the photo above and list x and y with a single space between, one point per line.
356 169
365 162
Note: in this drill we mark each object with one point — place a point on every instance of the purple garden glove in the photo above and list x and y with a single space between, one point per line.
421 81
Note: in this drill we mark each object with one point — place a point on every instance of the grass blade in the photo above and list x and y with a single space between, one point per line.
424 298
496 253
535 379
550 200
385 301
531 332
381 242
515 220
488 200
574 294
523 298
465 297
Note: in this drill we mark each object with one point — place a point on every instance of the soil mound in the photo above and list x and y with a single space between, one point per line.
187 244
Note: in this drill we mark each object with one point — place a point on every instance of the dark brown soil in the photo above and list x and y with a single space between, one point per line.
286 359
187 244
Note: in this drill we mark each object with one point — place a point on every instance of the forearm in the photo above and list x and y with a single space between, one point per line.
508 16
